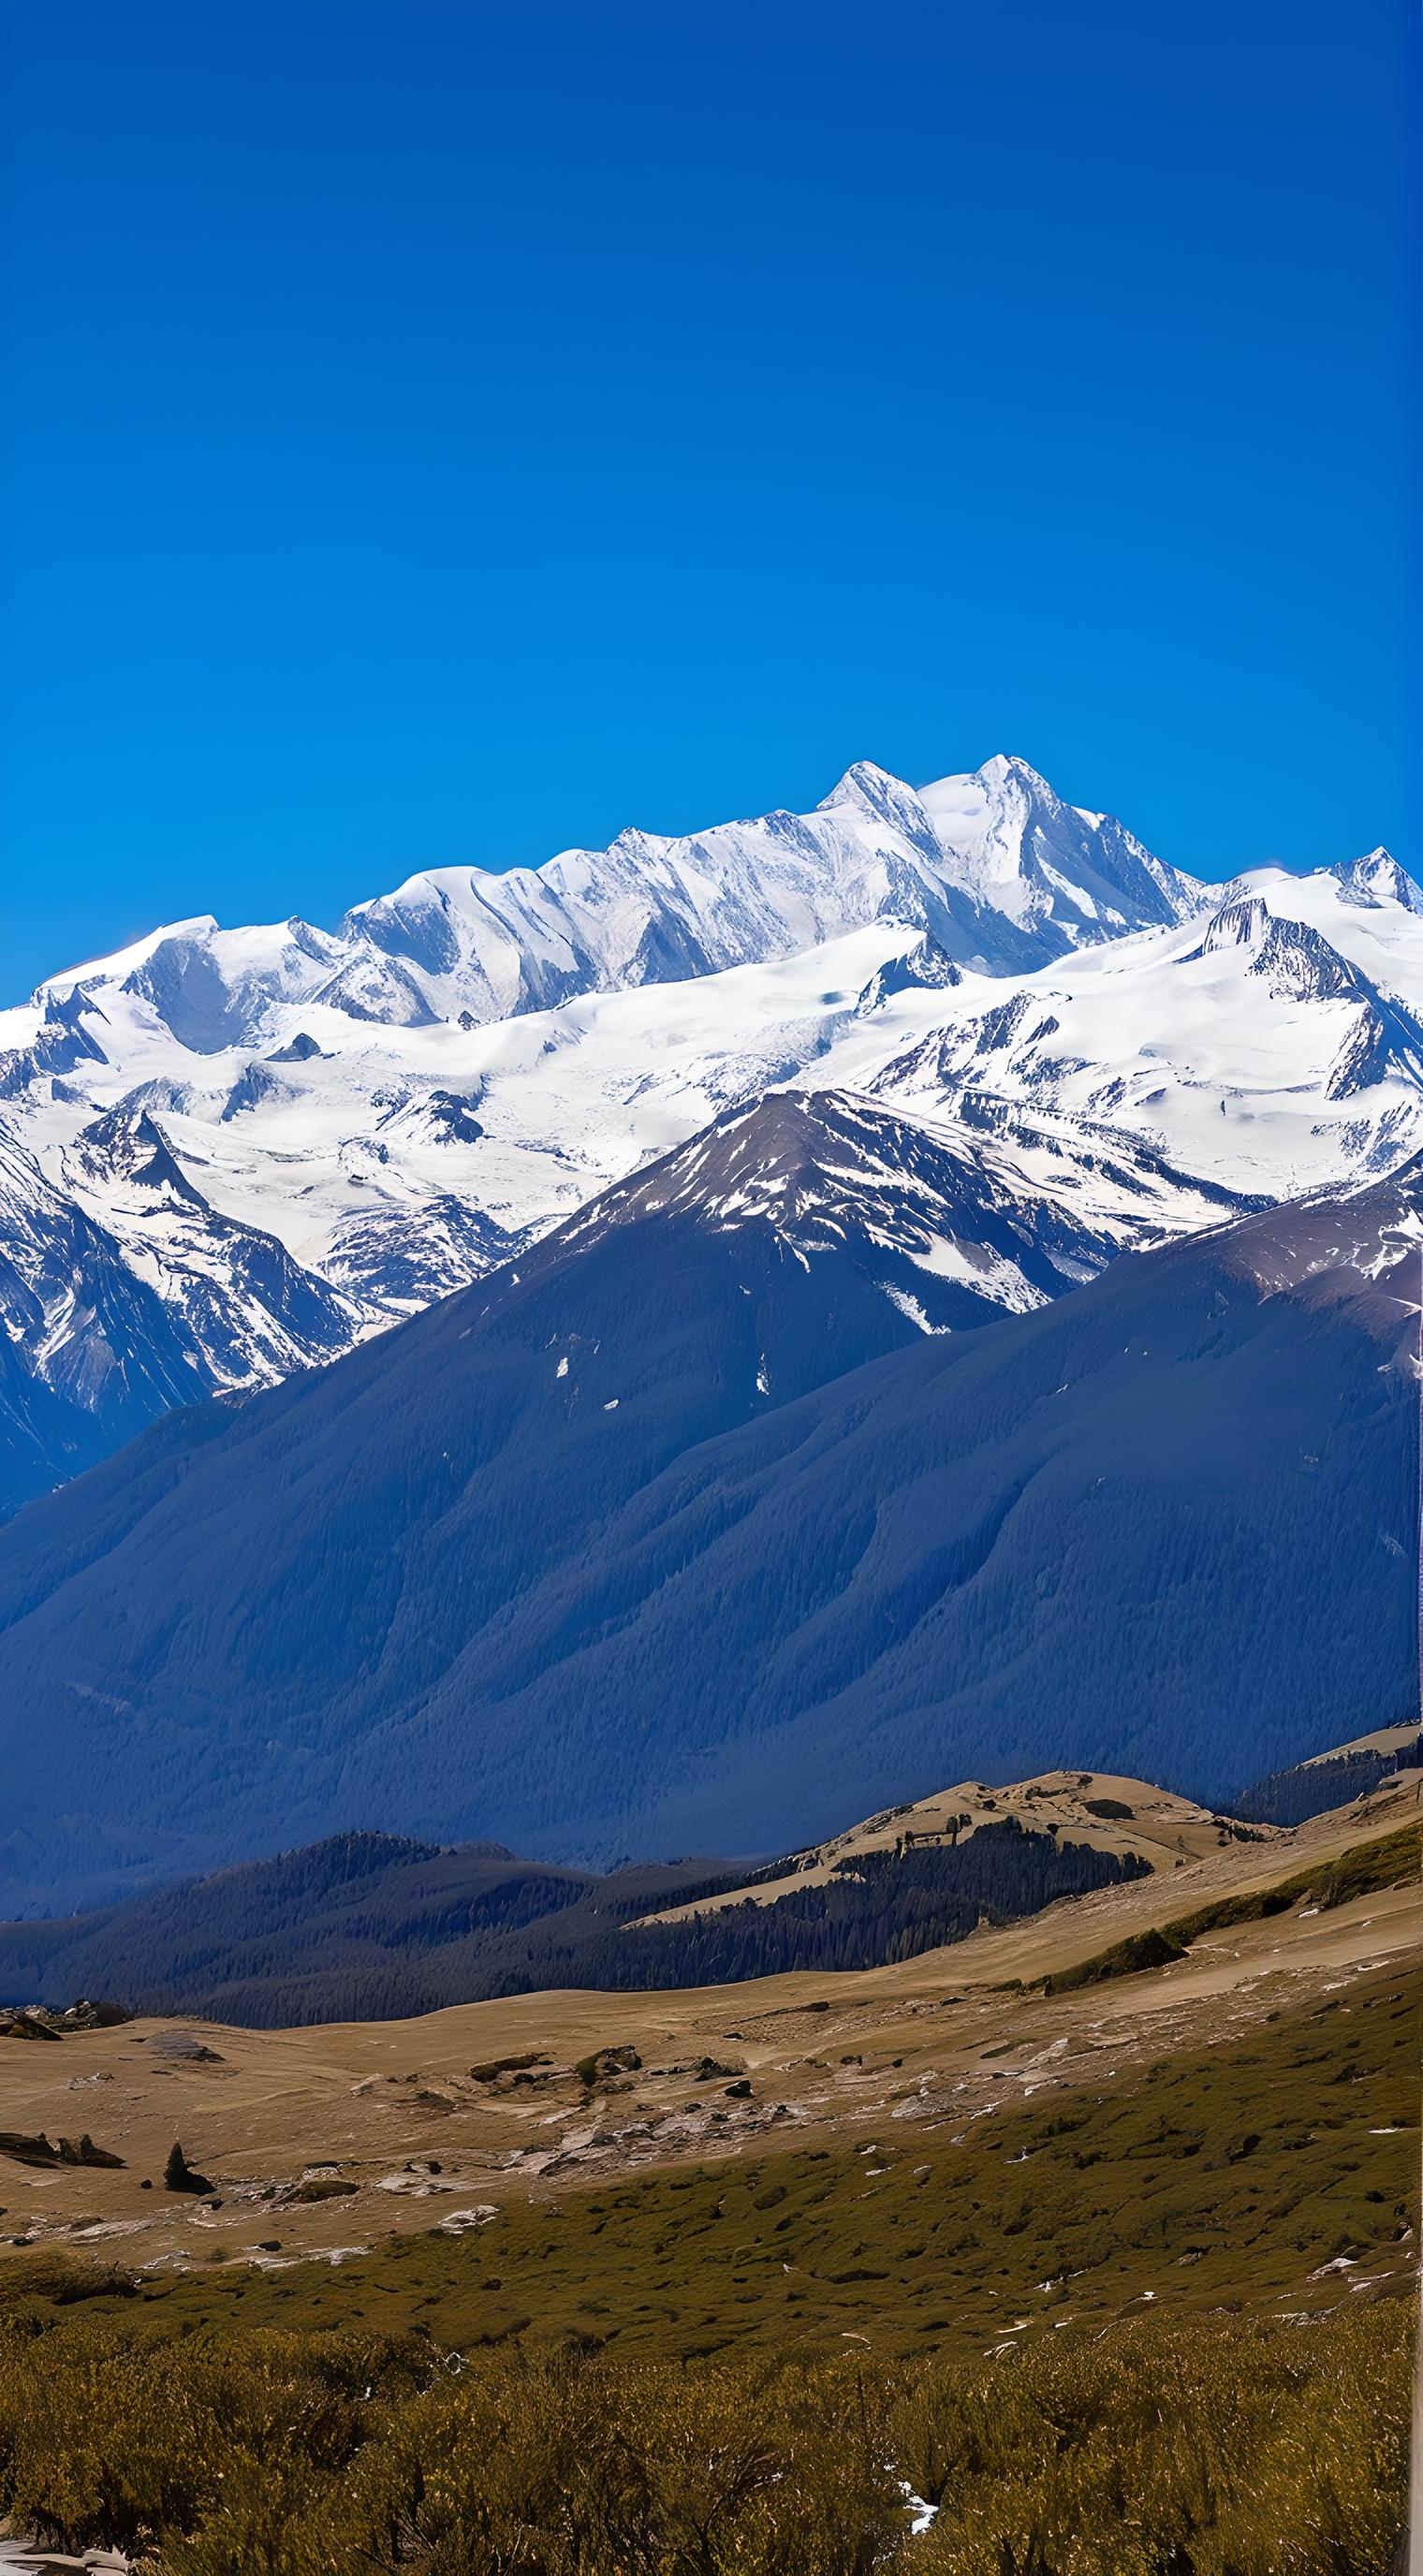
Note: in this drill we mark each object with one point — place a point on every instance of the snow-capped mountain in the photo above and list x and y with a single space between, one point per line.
246 1308
90 1351
993 866
953 1226
289 1138
124 1294
1274 1044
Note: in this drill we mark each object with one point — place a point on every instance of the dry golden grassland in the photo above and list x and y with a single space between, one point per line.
1122 2282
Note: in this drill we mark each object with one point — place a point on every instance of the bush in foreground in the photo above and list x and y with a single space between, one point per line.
1225 2450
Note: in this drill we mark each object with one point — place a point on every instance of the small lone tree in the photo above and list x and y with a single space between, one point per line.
178 2174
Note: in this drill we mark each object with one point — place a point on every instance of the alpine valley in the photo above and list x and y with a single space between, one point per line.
664 1351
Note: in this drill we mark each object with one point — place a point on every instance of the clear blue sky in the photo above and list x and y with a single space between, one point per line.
450 431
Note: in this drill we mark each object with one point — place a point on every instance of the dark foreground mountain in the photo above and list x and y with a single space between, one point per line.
553 1563
785 1245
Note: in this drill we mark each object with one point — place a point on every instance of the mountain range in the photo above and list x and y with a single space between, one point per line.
661 1351
273 1143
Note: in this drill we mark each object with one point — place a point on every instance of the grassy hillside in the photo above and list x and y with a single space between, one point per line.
1363 1869
1215 2182
1312 1788
1128 2333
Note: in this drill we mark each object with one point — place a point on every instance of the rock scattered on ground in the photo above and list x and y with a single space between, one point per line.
641 2141
27 2555
41 2150
416 2182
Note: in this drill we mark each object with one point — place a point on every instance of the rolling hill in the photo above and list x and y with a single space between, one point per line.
367 1926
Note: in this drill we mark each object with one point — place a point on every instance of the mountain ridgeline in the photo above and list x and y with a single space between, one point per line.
258 1186
230 1155
1331 1780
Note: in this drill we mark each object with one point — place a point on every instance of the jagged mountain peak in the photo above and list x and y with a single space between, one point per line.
770 1158
68 1010
1007 769
129 1119
951 1222
991 862
1002 797
1378 878
922 967
126 1141
1295 957
1264 1050
866 783
1375 881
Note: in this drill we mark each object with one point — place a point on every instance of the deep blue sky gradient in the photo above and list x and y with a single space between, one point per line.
450 432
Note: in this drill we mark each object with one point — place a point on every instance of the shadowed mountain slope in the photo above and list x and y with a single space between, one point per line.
436 1475
549 1563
